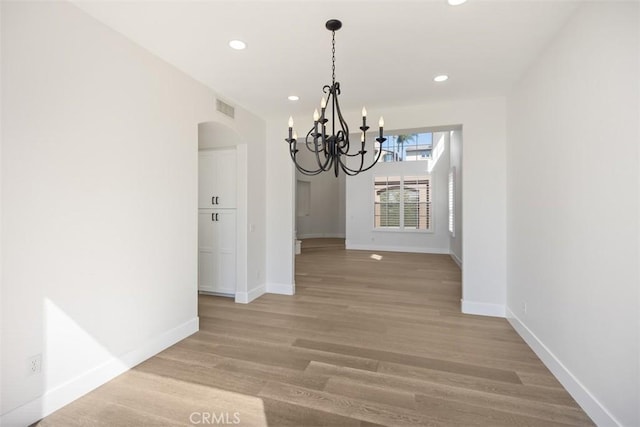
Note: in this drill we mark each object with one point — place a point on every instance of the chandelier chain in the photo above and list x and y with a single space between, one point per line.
333 56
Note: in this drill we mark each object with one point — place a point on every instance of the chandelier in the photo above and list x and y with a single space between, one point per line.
331 151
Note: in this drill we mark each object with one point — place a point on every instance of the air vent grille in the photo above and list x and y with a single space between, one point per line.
225 108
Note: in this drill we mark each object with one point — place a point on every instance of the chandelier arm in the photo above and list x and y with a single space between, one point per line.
346 168
303 170
329 90
374 162
316 150
327 164
354 154
344 147
293 151
346 152
311 144
309 173
342 139
347 171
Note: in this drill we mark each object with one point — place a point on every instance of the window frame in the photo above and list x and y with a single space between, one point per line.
401 228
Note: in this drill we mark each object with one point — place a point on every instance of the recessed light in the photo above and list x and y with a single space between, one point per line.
441 78
237 44
456 2
293 97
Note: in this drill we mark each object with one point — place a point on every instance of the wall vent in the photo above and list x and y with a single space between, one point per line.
225 108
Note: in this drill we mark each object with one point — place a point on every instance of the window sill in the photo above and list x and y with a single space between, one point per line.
391 230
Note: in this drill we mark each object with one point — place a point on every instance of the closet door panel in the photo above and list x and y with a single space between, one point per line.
226 234
206 179
226 179
207 252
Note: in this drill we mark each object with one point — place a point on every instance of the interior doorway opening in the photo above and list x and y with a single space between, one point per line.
320 210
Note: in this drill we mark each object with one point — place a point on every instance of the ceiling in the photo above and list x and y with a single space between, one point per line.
387 52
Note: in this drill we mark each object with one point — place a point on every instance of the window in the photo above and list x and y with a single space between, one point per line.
407 147
402 203
387 201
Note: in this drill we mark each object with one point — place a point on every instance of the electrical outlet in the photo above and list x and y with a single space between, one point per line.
34 364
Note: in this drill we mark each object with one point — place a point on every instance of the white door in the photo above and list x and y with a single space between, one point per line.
206 179
217 251
225 187
217 179
226 239
207 251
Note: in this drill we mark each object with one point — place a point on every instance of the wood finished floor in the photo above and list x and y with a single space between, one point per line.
364 342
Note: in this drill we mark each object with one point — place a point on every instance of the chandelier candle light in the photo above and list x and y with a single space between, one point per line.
331 151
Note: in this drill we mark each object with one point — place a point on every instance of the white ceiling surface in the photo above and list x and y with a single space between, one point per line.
387 52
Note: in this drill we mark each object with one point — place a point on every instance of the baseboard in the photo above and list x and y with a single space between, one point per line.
247 297
321 236
576 389
66 393
281 288
482 308
455 259
409 249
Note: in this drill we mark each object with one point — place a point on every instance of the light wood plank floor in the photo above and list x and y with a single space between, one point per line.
365 341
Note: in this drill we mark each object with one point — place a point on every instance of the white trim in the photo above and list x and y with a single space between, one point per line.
66 393
410 249
281 288
402 230
482 308
247 297
576 389
451 202
321 235
456 259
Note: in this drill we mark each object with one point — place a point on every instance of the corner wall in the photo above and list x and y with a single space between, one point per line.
573 270
99 204
280 215
455 241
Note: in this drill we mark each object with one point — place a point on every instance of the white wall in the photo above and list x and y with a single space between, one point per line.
573 210
484 198
455 241
326 214
1 213
253 130
99 179
360 199
280 216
